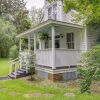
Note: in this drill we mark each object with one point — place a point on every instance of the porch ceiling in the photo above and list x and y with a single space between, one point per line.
46 25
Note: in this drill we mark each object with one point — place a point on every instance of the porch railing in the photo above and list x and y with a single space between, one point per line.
63 57
18 63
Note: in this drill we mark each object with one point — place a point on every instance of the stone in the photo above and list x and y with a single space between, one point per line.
14 93
2 89
48 94
32 95
69 94
55 77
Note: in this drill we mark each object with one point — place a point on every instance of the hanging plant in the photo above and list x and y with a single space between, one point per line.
43 36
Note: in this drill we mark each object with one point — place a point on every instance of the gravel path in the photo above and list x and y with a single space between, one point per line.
4 78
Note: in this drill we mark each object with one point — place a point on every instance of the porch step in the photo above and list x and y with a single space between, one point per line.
19 73
11 76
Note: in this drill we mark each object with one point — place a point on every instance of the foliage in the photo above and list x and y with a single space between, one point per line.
43 36
16 12
22 21
36 16
13 52
11 6
7 36
90 68
32 65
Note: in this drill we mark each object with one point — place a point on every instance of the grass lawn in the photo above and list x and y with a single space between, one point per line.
4 67
22 87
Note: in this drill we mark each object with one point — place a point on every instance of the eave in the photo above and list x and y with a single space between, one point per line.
46 23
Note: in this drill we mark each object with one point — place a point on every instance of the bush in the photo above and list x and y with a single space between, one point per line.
13 53
90 68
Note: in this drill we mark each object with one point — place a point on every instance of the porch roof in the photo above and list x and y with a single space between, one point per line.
46 23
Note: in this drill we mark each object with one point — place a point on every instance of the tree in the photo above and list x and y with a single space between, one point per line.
90 68
13 52
16 12
22 22
7 35
11 6
36 16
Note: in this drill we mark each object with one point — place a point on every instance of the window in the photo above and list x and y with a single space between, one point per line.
70 40
57 44
55 11
50 13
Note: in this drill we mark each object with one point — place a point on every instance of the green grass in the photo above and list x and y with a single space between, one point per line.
4 67
23 87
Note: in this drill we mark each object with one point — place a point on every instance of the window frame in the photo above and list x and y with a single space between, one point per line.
70 40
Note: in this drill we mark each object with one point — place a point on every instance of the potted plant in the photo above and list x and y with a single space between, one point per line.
43 36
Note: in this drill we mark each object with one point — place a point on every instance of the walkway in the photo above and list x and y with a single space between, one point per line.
4 78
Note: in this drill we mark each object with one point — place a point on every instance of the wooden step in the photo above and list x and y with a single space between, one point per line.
19 73
11 76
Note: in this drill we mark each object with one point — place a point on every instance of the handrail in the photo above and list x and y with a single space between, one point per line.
19 61
14 60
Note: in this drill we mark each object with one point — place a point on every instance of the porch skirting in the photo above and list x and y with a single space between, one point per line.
63 74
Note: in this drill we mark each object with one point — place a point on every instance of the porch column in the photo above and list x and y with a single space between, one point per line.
20 45
85 37
53 47
29 44
34 43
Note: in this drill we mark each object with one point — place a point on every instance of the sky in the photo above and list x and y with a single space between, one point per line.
35 3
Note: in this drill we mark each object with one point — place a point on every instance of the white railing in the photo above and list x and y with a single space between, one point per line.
67 57
44 57
18 64
14 66
63 57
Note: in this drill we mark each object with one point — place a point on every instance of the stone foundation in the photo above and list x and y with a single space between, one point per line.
64 76
55 77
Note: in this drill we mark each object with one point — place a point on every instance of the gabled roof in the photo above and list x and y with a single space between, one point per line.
70 17
46 23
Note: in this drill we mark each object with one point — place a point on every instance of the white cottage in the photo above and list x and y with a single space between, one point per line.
58 56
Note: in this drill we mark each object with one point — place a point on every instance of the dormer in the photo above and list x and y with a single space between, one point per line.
53 10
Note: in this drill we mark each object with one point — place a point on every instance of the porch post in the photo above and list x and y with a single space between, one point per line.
20 45
29 44
34 43
53 47
85 33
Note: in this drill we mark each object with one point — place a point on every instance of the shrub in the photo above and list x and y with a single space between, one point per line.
13 53
90 68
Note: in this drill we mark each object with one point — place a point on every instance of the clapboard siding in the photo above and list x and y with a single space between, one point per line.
92 36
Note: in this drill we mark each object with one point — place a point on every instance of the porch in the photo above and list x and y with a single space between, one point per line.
63 48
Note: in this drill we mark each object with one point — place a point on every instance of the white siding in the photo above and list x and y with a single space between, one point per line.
92 36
